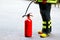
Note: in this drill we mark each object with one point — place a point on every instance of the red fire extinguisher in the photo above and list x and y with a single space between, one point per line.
28 23
28 26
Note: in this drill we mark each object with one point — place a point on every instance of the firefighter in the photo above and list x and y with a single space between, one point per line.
45 8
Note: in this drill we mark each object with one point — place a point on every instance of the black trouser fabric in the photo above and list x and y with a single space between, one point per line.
45 13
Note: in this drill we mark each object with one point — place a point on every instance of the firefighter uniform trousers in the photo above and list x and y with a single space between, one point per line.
45 13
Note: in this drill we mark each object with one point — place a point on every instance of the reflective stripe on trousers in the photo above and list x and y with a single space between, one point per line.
46 24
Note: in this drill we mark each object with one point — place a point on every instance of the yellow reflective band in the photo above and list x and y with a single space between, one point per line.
49 26
49 22
44 22
44 27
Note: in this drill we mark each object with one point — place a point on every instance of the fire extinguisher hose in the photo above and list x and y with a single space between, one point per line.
28 8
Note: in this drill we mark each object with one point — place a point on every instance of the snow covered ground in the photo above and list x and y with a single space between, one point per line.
12 23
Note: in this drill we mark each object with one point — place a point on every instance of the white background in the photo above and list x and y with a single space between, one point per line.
12 23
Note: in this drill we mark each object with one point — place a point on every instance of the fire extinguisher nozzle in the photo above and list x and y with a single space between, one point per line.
23 15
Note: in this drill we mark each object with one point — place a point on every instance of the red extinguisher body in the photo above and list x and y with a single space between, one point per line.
28 27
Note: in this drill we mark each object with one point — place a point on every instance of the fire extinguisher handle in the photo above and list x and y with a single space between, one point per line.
28 15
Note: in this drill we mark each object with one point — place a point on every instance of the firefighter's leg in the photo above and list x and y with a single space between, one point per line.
45 13
46 27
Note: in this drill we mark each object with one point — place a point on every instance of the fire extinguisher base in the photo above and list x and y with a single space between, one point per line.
28 36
